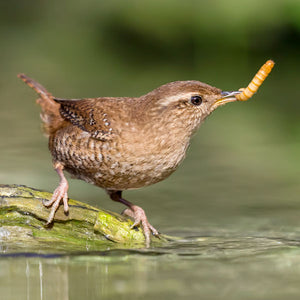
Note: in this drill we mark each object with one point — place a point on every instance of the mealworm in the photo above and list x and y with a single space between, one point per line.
256 82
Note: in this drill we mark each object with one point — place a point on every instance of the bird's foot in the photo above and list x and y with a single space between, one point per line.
60 194
139 216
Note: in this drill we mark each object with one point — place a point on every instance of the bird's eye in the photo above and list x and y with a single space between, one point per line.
196 100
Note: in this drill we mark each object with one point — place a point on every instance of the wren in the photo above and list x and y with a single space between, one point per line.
124 143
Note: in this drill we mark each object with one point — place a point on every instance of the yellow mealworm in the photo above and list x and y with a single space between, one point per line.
256 82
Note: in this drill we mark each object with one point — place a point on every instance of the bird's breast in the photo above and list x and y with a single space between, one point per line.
118 164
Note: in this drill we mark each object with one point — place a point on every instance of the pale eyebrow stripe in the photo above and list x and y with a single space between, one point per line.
168 100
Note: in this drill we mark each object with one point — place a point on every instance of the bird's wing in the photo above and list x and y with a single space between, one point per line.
88 116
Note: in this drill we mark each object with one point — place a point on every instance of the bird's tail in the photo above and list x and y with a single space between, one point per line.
50 115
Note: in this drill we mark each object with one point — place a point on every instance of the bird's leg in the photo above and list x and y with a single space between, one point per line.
137 213
60 193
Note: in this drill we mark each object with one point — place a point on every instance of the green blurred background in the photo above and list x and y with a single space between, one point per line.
245 155
240 183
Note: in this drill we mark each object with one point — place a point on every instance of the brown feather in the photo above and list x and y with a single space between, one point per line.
88 116
50 115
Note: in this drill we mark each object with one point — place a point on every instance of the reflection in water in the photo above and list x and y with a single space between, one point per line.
190 267
27 272
35 278
41 280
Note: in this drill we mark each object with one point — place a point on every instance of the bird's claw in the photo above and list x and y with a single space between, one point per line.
139 216
60 194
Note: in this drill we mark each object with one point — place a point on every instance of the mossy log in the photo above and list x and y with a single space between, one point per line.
23 217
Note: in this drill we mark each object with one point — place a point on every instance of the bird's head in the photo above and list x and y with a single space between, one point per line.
186 104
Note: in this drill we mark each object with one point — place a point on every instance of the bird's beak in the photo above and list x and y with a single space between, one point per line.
226 97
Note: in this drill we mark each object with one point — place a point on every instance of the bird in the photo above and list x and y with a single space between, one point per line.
123 143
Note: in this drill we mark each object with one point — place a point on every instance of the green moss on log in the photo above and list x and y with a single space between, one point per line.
23 217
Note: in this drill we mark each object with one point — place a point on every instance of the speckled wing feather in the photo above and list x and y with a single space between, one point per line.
82 112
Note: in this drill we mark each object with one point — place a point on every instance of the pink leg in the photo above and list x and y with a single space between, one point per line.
137 213
59 194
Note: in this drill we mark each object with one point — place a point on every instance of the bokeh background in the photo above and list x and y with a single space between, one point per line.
241 178
245 155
